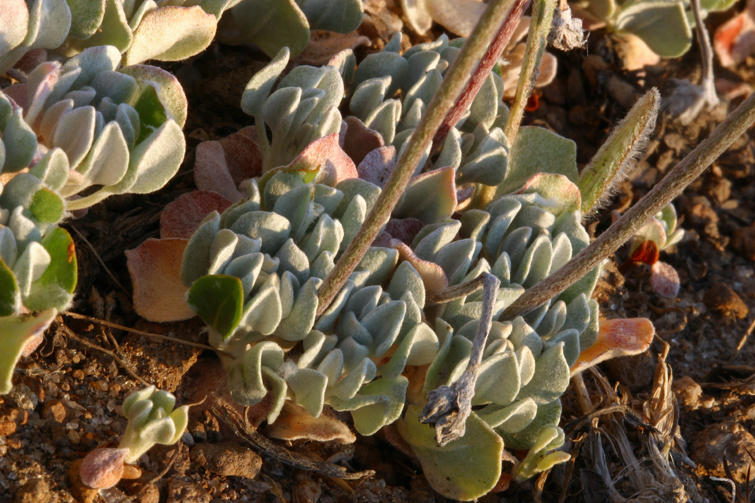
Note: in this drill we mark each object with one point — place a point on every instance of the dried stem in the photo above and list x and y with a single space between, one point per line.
488 61
448 407
443 100
684 173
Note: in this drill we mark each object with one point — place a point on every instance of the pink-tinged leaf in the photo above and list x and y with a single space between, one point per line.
182 217
211 171
548 69
404 229
295 423
38 89
618 337
735 39
430 197
31 59
555 187
17 94
155 267
431 273
103 468
14 24
242 154
327 156
324 45
647 253
664 280
378 165
360 140
635 53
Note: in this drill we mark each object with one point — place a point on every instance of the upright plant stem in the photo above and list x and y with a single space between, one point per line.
537 39
684 173
444 99
488 61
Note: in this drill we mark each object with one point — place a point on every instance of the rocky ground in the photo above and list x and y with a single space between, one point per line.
66 396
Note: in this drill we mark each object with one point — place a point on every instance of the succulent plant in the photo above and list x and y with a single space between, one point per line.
166 31
37 258
253 274
665 27
99 125
660 233
152 419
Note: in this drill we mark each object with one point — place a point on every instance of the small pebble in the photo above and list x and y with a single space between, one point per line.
725 301
227 459
688 392
33 491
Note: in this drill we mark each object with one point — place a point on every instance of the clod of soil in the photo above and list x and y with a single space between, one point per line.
227 459
725 301
183 490
744 242
724 439
687 392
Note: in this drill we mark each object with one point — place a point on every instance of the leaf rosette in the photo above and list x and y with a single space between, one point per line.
253 274
95 124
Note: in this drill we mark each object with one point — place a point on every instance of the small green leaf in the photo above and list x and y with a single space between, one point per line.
57 284
661 24
219 300
10 296
151 111
18 336
46 206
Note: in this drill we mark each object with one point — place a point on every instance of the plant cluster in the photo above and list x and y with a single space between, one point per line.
166 30
366 245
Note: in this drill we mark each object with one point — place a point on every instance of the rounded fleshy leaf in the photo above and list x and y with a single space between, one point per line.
270 24
191 31
619 337
464 469
665 280
183 216
155 266
21 336
169 90
219 300
103 468
429 197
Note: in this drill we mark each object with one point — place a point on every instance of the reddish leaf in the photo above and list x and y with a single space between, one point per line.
432 274
664 280
735 39
404 229
378 165
211 171
618 337
242 155
326 155
647 253
182 216
155 268
360 140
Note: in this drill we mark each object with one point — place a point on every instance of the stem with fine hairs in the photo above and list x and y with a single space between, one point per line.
684 173
488 61
449 91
